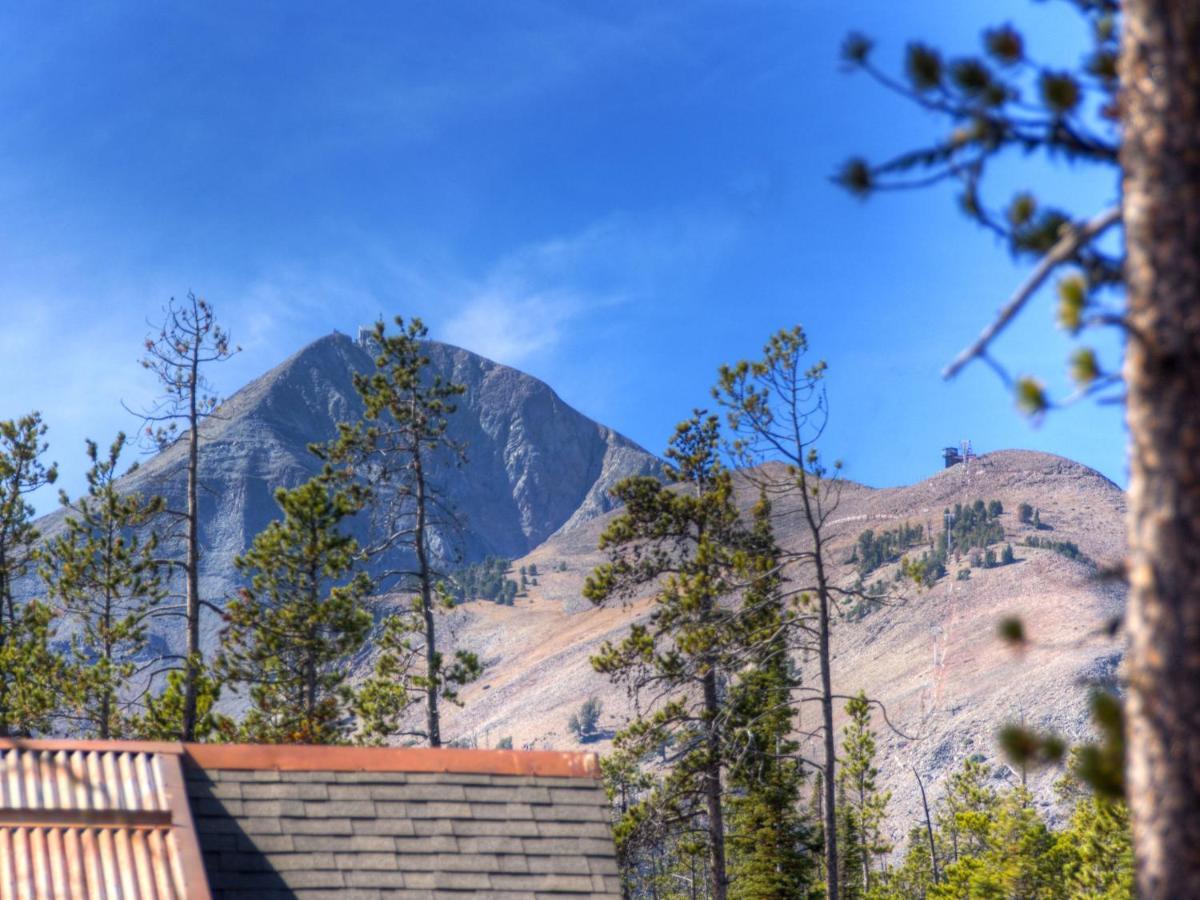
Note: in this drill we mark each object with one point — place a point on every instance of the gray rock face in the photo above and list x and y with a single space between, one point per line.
535 465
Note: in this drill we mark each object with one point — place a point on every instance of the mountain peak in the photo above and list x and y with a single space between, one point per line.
536 466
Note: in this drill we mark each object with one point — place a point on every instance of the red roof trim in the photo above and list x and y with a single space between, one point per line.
299 757
296 757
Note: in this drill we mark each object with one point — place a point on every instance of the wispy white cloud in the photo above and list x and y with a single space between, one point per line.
547 294
511 327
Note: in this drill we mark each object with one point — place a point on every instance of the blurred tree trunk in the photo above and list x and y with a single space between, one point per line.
1160 156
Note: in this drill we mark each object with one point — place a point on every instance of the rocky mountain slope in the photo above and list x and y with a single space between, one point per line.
536 466
934 661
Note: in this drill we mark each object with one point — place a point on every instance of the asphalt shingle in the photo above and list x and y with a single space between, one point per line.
403 834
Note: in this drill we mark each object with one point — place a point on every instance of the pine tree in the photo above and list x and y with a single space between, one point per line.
639 835
109 584
1017 855
859 777
777 409
384 699
770 840
913 877
852 855
995 843
390 455
164 711
22 443
966 811
1098 850
31 675
188 341
691 543
35 683
291 634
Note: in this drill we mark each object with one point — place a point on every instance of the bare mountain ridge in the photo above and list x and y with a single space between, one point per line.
947 682
536 465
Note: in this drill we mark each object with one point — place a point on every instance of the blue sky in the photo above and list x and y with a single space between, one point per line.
615 197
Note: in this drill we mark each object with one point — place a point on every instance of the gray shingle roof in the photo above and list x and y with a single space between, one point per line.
309 833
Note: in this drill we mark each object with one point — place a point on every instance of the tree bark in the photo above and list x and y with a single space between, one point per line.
432 718
933 860
1160 158
192 561
831 851
712 791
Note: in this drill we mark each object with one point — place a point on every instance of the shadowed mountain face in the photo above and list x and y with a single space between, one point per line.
535 465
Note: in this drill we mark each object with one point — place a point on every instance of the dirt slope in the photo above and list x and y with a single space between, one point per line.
933 661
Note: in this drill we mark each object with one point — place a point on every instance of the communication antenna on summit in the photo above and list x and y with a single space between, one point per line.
967 454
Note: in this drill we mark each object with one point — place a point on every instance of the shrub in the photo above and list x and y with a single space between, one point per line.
1025 513
583 724
505 743
964 575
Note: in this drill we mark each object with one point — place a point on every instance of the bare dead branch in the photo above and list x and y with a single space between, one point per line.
1068 245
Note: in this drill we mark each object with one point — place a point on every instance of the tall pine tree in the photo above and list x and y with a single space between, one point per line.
187 343
690 541
865 804
108 583
777 409
390 455
31 682
291 634
771 841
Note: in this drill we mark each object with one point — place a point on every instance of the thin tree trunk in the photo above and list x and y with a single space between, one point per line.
712 790
933 861
863 838
192 562
432 719
1160 157
7 612
812 517
106 700
831 852
7 625
310 662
